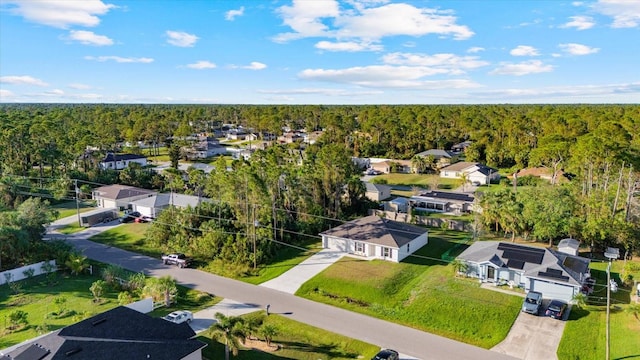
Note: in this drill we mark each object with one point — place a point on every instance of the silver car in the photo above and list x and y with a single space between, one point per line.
532 302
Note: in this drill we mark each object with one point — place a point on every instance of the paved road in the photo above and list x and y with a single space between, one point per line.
385 334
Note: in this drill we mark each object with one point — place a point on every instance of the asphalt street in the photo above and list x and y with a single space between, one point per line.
385 334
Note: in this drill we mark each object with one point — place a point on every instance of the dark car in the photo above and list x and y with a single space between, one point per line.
386 354
556 309
130 217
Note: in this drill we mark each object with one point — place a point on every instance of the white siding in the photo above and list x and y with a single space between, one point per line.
551 290
336 244
414 245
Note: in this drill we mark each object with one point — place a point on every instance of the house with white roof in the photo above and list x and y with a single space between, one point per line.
476 173
154 205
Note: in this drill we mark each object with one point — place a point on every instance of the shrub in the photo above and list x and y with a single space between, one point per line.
18 317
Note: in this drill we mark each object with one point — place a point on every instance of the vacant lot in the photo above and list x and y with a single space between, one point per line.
298 341
420 292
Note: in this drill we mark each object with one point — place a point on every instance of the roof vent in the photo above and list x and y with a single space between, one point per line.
98 322
75 350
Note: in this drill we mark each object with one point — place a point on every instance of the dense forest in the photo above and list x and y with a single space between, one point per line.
43 149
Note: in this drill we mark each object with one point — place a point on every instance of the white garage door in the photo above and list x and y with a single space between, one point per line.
337 244
551 290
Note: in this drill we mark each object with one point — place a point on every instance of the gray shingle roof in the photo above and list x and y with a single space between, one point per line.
436 153
376 230
117 192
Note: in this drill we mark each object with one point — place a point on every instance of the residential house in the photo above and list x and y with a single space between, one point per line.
152 206
476 173
119 333
236 134
375 238
443 202
290 137
120 161
541 172
312 137
262 136
377 192
119 196
388 166
460 147
569 246
556 275
204 147
442 157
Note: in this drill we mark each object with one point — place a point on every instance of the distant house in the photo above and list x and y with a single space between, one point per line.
389 166
312 137
476 173
236 134
377 192
119 196
443 202
442 157
460 147
119 333
569 246
542 172
399 205
152 206
120 161
556 275
205 147
376 238
291 137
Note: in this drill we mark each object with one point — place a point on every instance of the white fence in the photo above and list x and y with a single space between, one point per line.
21 272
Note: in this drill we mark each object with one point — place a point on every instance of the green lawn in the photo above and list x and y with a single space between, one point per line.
37 298
298 341
70 229
419 292
421 180
129 236
585 333
69 208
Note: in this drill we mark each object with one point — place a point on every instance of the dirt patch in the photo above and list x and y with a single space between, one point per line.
260 345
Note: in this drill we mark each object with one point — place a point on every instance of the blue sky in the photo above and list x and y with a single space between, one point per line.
320 51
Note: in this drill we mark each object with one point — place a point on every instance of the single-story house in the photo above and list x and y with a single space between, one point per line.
120 161
375 238
475 172
388 166
204 148
442 157
119 196
541 172
377 192
119 333
556 275
152 206
460 147
443 201
569 246
399 204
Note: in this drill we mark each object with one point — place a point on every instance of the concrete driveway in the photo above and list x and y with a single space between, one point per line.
533 337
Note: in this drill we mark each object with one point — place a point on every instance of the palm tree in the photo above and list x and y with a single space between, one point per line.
229 329
419 164
579 300
459 266
77 263
268 331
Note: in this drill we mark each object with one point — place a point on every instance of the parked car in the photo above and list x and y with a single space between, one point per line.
386 354
178 317
130 217
556 309
143 219
532 302
179 259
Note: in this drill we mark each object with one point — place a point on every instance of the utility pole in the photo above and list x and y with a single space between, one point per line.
608 302
75 183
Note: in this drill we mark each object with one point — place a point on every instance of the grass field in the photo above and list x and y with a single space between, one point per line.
70 208
298 341
129 236
420 292
37 298
421 180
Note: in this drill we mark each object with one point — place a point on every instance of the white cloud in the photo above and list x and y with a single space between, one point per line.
446 63
571 93
524 50
349 46
22 80
523 68
89 38
386 76
578 49
201 65
6 94
119 59
367 23
231 14
78 86
580 23
475 49
320 91
181 39
54 92
256 66
61 13
625 13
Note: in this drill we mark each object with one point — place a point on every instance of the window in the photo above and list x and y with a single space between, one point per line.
408 247
386 252
359 247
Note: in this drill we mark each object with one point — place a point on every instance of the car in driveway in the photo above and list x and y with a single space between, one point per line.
556 309
386 354
178 317
130 217
532 302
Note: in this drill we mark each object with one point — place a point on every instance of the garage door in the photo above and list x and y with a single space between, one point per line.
337 244
551 290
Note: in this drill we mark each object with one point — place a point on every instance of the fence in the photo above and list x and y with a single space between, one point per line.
22 273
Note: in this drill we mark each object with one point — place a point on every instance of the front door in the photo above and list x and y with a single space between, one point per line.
491 273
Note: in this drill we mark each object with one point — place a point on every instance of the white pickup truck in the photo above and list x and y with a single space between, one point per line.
179 259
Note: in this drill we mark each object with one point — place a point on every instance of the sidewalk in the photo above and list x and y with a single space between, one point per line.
291 280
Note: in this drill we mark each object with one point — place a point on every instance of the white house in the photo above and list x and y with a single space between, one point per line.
375 238
120 161
377 192
152 206
556 275
442 157
119 196
443 202
475 172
